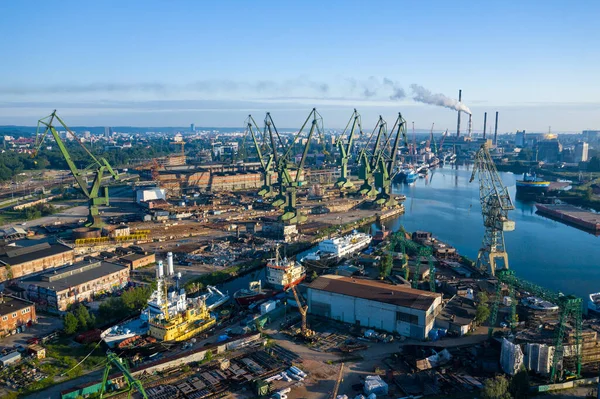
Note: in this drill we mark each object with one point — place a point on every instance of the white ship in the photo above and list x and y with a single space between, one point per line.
283 274
536 303
346 246
594 303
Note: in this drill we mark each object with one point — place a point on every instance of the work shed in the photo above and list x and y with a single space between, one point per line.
374 304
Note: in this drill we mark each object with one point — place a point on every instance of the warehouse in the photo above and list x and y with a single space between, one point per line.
374 304
14 314
56 289
19 260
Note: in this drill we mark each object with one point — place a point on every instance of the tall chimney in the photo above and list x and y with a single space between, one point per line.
470 124
496 129
484 123
458 123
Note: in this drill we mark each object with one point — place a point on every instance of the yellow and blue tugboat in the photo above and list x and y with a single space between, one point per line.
531 184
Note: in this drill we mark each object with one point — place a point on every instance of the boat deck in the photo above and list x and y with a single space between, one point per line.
571 214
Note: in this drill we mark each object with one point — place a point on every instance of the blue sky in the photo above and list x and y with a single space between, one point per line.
211 63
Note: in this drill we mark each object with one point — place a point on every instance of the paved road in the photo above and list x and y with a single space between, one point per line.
44 326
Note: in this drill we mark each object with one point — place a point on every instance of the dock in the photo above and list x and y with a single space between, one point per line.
572 215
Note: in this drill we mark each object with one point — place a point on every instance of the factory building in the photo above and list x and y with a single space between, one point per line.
581 151
19 261
15 313
135 261
55 290
373 304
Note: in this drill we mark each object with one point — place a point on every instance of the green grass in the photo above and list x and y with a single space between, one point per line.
68 353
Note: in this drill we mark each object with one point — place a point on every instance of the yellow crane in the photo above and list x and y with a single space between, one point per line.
303 309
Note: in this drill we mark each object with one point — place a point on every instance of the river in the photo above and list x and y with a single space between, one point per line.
541 250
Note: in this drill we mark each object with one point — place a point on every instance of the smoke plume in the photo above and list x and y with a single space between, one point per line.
422 95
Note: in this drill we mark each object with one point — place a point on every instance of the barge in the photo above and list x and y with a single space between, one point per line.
571 215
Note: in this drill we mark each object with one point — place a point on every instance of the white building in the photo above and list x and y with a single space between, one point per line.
150 194
369 303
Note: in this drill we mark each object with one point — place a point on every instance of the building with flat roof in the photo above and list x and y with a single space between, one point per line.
15 313
57 289
135 261
19 261
392 308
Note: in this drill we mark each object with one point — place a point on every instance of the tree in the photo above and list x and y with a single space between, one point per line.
482 313
495 388
519 385
313 275
70 323
482 297
385 267
84 318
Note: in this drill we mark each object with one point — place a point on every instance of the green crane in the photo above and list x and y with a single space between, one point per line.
367 159
290 185
432 140
569 308
132 384
343 182
424 252
495 204
98 167
385 163
266 160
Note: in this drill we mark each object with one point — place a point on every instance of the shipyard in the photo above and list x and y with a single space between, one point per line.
298 201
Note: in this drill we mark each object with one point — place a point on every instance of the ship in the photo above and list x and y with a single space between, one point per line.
164 303
594 303
183 325
346 246
531 184
283 274
406 175
536 303
254 293
319 260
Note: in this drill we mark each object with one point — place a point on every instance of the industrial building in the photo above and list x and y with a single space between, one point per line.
135 261
56 289
19 260
15 313
391 308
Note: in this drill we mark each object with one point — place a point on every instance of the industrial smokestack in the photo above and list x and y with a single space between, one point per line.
496 129
458 123
470 124
170 268
160 271
484 123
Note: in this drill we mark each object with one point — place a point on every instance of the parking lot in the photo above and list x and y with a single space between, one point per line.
44 326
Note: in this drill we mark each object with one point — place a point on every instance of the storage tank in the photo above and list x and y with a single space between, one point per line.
86 232
160 271
170 267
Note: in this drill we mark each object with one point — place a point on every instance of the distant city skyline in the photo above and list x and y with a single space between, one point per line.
171 64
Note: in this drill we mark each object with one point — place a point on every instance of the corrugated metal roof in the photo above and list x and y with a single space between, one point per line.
376 291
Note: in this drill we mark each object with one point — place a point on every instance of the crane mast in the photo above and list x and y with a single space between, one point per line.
385 164
266 160
99 166
367 160
343 181
495 204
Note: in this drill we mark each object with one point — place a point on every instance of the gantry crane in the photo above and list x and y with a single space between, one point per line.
386 163
290 185
495 204
132 384
97 166
569 308
432 145
266 159
343 181
424 252
367 159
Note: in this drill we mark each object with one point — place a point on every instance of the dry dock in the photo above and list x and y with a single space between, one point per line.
572 215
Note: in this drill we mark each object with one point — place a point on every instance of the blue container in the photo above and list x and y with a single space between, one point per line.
442 332
433 335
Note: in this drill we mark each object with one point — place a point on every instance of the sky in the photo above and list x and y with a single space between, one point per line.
172 63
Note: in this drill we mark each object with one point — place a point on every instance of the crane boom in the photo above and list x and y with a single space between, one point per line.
343 181
100 165
495 204
114 361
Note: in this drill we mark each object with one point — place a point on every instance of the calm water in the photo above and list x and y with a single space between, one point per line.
541 250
